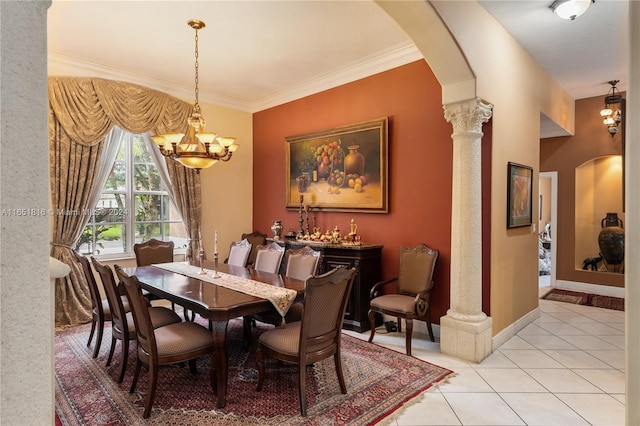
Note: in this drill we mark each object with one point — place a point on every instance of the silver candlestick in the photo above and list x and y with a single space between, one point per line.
215 266
201 257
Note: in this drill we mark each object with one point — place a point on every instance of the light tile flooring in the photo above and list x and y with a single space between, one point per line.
566 368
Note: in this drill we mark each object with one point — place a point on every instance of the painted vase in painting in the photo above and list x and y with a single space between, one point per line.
354 161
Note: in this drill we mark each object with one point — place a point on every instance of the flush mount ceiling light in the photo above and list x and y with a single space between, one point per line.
570 9
197 149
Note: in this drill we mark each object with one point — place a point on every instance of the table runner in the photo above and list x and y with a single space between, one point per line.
281 298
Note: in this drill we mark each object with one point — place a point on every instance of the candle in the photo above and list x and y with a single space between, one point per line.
200 240
215 242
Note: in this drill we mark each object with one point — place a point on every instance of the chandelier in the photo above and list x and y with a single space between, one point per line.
196 149
612 112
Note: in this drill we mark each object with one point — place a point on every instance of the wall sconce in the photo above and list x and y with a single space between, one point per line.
570 9
613 111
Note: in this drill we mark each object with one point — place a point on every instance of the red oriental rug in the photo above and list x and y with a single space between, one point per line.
379 382
588 299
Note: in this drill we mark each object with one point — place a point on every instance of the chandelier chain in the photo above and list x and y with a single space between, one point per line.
197 80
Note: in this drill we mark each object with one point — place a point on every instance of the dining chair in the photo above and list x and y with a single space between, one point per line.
239 253
122 324
170 344
255 238
300 264
100 310
156 251
411 301
269 257
316 336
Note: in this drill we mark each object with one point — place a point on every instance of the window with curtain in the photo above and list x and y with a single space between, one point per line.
134 205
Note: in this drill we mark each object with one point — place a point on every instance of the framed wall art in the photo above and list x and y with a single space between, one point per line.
341 169
519 195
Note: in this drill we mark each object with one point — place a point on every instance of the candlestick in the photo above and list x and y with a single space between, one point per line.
201 256
301 221
215 266
306 217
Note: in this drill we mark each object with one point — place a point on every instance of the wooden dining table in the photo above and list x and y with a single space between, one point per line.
213 302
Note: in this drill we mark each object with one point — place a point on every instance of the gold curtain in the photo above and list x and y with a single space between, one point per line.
81 113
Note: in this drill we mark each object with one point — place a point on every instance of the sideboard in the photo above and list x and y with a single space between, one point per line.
366 258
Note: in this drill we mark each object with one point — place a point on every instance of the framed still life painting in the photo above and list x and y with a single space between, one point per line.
340 169
519 195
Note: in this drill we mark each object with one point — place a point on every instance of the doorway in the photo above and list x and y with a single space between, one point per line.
547 226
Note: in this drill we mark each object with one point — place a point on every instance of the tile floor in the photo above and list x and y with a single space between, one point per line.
566 368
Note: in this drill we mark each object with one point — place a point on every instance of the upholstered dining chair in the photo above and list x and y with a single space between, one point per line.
170 344
269 257
412 300
301 264
155 251
100 310
316 336
122 324
239 253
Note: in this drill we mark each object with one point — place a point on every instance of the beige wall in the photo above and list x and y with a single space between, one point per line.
227 187
519 90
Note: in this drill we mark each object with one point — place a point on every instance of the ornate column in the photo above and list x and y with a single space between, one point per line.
465 332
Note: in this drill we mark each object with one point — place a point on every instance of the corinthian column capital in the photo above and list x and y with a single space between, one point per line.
467 116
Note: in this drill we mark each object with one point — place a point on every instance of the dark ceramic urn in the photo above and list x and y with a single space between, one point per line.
611 239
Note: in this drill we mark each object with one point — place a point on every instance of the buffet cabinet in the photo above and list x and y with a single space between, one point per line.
366 258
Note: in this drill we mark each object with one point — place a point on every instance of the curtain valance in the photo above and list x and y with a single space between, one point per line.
87 108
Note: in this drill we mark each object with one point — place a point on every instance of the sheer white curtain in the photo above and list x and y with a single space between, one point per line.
112 143
158 158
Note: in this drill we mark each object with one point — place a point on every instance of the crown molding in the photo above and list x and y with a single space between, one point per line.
389 59
59 64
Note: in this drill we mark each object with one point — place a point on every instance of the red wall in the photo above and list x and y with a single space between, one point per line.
420 164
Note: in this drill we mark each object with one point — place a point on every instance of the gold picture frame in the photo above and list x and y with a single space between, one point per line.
341 169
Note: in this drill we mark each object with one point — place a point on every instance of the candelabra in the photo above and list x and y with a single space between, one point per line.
306 218
301 220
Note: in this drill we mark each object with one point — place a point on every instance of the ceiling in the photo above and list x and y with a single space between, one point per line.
257 54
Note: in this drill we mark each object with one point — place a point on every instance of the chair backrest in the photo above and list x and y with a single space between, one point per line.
268 257
416 269
325 301
118 313
140 312
239 253
153 251
302 263
96 299
256 239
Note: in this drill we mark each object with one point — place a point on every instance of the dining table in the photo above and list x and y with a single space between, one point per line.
217 303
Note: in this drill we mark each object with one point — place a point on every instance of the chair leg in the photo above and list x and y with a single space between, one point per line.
429 328
246 332
338 362
372 324
113 348
408 335
192 366
136 374
260 362
302 386
93 329
399 325
96 350
151 393
125 358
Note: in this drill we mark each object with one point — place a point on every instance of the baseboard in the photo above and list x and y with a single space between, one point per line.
513 329
603 290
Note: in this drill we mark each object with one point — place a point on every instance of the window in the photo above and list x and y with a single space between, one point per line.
134 206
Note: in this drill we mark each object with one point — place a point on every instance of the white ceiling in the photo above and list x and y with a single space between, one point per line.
257 54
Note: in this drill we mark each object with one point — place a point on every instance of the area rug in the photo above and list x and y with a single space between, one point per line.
379 382
588 299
